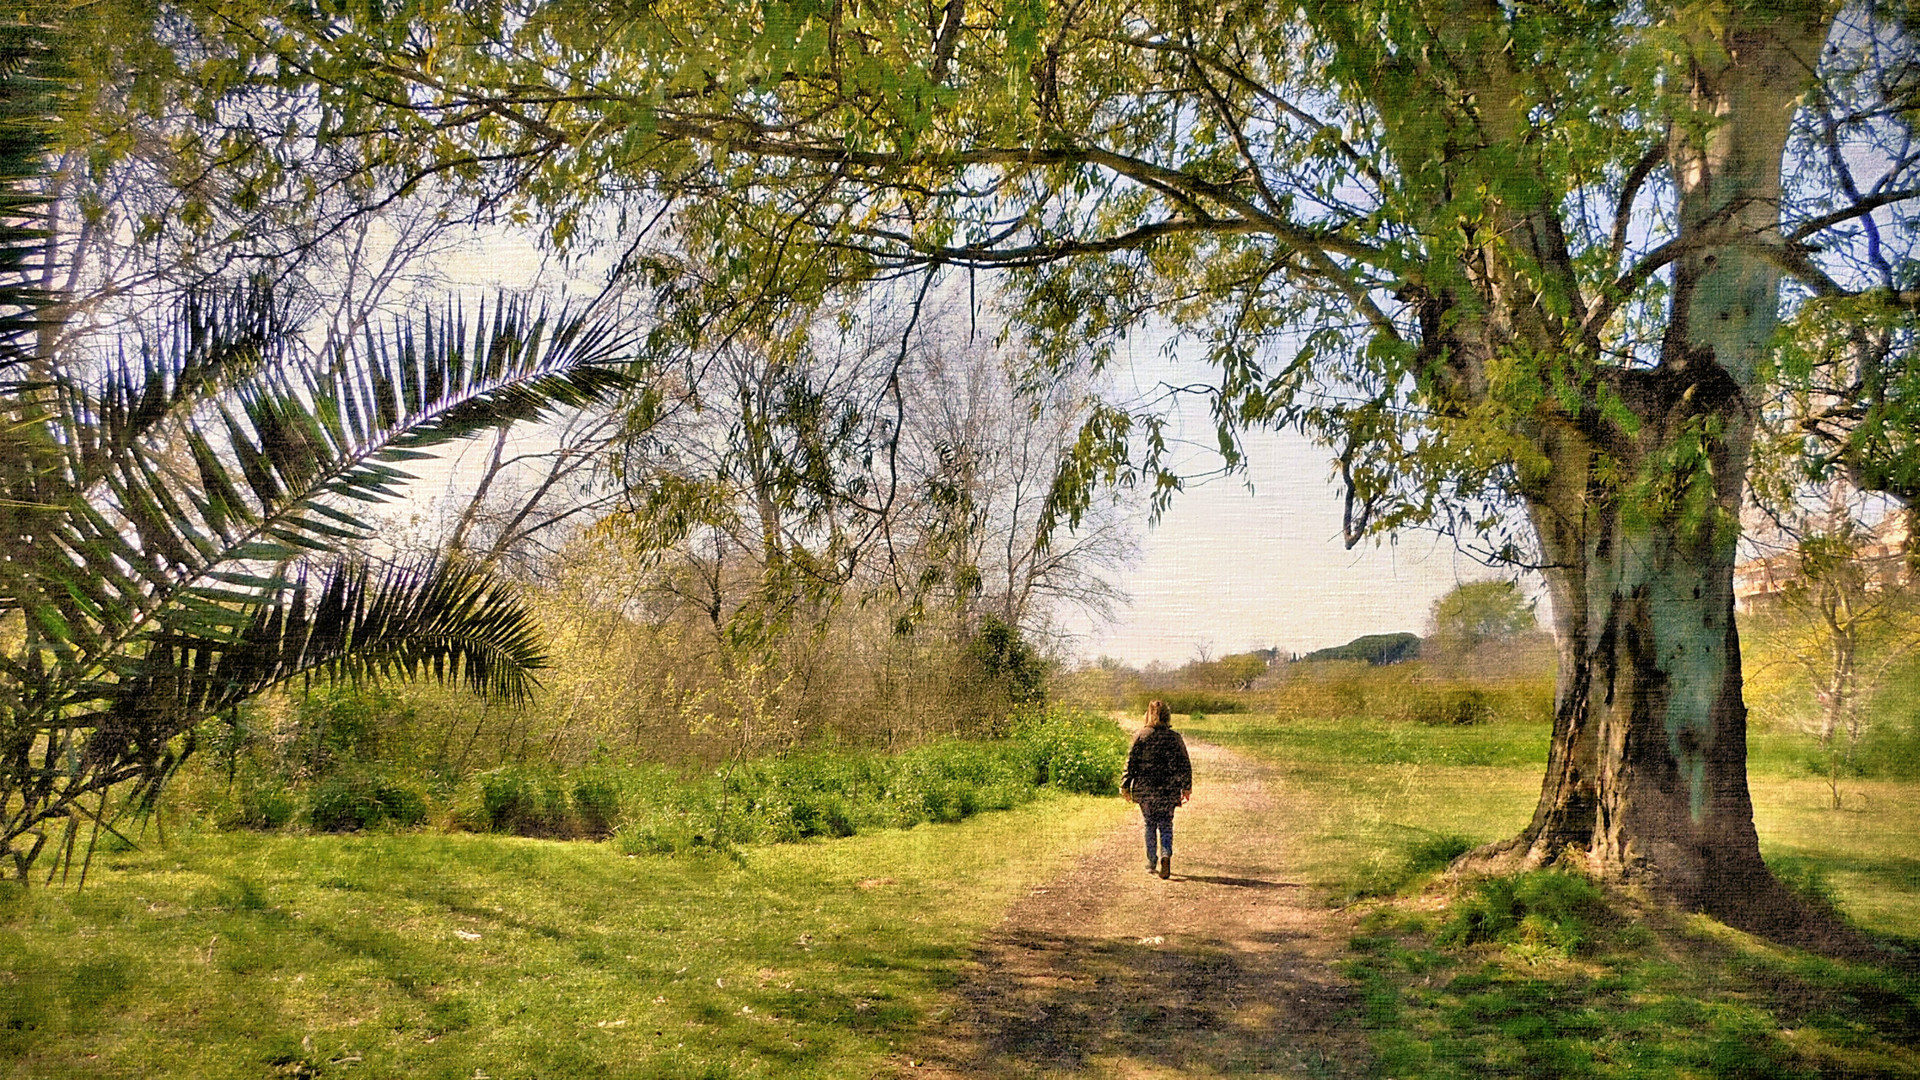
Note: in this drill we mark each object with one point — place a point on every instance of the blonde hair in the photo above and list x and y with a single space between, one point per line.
1158 715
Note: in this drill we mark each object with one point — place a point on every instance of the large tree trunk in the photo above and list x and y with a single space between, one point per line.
1647 776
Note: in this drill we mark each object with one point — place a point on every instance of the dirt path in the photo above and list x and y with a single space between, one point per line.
1226 969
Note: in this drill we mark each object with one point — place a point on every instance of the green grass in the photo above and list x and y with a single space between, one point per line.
1547 975
651 808
1380 805
430 955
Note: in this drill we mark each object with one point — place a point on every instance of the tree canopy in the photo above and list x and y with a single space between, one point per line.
1341 203
1480 613
1541 273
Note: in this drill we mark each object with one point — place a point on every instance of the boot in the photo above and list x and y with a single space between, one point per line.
1166 866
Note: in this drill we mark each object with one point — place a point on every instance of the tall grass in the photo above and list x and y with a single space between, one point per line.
648 807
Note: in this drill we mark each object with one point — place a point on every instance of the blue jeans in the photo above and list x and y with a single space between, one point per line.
1159 834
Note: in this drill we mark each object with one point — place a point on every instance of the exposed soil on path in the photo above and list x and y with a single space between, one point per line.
1107 971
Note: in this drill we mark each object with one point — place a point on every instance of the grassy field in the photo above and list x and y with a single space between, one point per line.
422 953
429 955
1546 975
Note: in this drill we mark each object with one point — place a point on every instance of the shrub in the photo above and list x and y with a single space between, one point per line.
261 805
523 801
1074 751
1548 910
1453 703
354 800
596 803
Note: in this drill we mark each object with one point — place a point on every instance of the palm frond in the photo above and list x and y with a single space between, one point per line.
150 508
445 620
29 88
212 338
266 471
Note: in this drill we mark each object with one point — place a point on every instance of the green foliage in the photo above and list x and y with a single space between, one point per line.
356 799
262 804
1233 672
340 723
517 799
1374 649
1477 189
1890 747
1550 910
1478 614
650 808
596 801
1862 647
1074 751
1006 665
168 502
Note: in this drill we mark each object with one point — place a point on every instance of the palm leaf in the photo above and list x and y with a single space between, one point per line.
29 85
449 621
264 472
149 508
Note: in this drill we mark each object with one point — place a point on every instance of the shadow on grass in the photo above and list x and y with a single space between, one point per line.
1065 1005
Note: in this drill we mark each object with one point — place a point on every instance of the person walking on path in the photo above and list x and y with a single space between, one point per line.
1159 778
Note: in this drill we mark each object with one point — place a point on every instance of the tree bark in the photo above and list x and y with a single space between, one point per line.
1647 772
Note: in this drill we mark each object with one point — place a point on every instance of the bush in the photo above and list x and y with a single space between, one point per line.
1075 751
1544 910
354 800
264 805
1458 704
596 803
524 801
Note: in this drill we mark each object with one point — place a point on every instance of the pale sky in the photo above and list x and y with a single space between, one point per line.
1231 570
1256 560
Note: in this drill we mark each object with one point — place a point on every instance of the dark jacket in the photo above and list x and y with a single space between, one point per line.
1158 770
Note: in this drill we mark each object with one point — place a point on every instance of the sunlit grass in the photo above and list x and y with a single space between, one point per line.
421 954
1532 983
1374 802
1868 852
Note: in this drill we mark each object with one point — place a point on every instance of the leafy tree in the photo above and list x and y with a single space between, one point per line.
1847 616
1479 613
1512 262
165 517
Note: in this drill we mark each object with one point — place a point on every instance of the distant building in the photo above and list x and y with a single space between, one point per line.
1884 553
